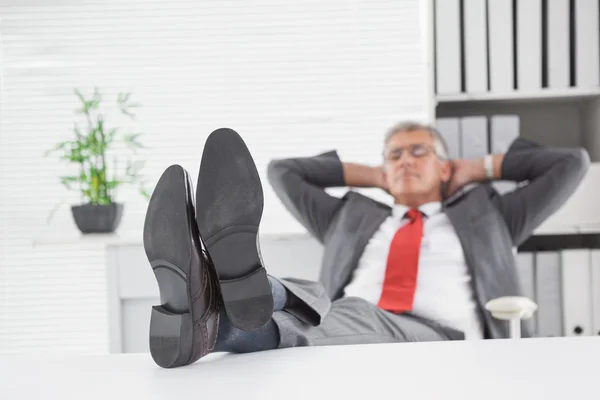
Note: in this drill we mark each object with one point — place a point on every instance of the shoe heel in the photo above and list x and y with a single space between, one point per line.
171 337
248 300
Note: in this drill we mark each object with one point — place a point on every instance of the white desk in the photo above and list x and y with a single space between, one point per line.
553 368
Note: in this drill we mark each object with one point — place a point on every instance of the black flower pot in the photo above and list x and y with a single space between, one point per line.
97 218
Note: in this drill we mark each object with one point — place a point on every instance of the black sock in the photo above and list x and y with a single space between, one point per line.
232 339
280 294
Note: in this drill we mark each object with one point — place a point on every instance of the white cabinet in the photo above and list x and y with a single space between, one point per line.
132 287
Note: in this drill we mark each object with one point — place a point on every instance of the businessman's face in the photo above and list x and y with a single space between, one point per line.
412 167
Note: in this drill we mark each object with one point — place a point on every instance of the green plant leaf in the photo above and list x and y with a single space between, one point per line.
125 106
58 146
131 141
110 135
122 98
144 192
68 180
80 96
78 133
89 149
53 211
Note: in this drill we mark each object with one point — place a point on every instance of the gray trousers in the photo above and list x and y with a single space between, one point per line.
312 319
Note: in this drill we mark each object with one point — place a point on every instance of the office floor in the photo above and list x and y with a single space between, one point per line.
491 370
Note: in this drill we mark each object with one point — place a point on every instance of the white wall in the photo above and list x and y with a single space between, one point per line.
295 78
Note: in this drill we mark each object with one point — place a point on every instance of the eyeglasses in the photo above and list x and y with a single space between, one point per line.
416 150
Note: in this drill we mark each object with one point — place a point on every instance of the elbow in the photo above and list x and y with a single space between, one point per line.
275 170
581 163
575 167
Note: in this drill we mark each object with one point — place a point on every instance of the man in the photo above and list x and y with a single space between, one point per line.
421 270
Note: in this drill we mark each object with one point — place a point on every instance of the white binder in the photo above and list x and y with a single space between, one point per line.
587 47
500 25
447 47
504 129
548 294
596 292
474 136
577 296
475 39
529 45
525 268
449 128
558 44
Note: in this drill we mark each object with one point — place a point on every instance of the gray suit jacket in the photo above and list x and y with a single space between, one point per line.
488 225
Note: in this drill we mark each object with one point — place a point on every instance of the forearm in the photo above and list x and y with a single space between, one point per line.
476 168
359 175
323 171
552 175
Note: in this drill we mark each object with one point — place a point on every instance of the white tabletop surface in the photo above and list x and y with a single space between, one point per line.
553 368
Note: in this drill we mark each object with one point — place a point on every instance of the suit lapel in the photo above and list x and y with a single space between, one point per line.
357 225
461 215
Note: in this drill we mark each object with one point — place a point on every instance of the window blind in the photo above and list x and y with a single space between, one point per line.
294 78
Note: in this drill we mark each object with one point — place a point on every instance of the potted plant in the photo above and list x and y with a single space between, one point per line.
94 178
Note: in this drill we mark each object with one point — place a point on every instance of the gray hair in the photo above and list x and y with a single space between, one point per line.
439 144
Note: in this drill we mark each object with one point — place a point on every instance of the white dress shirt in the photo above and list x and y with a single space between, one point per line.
444 292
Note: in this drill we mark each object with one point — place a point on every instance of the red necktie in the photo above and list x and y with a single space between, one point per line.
403 265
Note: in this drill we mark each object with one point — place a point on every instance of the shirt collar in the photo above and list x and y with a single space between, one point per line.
428 209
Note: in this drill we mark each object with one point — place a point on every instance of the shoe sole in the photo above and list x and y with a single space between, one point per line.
229 206
170 247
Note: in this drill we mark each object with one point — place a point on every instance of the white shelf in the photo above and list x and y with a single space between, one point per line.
544 94
567 230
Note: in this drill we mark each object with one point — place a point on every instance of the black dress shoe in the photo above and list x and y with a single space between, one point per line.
229 206
184 327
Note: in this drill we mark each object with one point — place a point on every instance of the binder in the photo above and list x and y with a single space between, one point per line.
548 294
500 24
474 136
475 41
525 268
596 291
529 45
447 47
504 129
557 44
449 129
577 296
587 46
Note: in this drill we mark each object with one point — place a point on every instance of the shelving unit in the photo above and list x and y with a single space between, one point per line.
537 62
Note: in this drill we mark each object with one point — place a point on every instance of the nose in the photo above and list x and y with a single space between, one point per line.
406 158
405 163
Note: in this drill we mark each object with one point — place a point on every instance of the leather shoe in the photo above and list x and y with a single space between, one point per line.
183 328
229 206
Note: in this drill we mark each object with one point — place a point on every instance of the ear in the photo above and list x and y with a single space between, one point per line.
446 170
384 176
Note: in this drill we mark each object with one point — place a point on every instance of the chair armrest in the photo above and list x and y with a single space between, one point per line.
513 309
510 307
